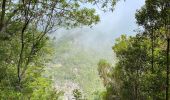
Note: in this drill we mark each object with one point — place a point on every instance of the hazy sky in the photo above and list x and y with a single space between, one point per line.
112 25
121 21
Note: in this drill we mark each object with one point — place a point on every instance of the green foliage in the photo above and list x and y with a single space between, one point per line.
104 69
139 73
25 45
34 84
154 17
132 78
77 94
153 14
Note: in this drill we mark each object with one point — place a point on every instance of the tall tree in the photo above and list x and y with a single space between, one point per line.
24 25
43 16
156 13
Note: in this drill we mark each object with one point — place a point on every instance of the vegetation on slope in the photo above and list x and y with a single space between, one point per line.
76 63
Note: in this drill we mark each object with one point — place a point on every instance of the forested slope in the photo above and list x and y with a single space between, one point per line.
75 64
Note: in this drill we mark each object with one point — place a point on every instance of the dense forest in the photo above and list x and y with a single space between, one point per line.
35 64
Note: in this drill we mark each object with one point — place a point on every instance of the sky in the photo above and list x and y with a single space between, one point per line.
122 20
112 25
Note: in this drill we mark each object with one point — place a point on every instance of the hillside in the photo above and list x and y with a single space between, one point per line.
75 64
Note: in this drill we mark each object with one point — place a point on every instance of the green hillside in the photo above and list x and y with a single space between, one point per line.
75 63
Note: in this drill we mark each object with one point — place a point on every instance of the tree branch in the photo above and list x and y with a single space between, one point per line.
2 14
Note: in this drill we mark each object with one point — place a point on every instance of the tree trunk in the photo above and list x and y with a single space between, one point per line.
167 70
2 14
152 39
152 58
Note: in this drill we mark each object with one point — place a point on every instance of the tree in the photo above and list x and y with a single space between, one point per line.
104 69
105 72
34 85
131 78
24 29
156 14
42 17
132 57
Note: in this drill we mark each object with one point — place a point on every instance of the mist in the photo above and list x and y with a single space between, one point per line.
79 50
111 26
